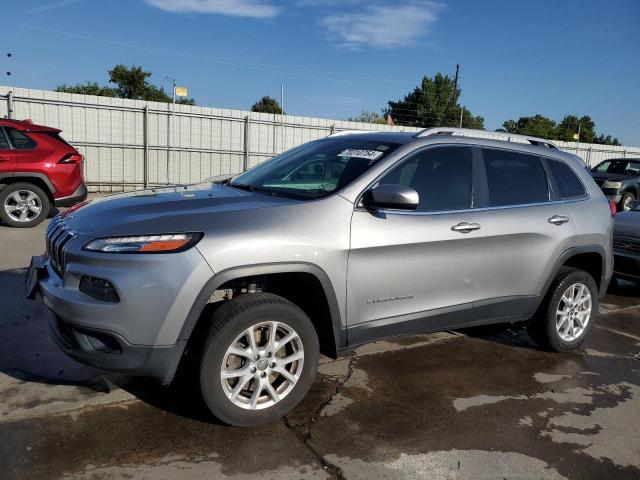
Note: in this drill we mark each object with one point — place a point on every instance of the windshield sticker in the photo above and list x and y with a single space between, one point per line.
367 154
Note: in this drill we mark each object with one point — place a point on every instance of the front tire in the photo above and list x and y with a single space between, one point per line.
567 313
625 201
258 361
23 205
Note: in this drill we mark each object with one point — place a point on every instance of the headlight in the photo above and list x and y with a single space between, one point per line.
610 184
170 243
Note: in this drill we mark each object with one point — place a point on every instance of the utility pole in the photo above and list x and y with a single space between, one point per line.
282 116
9 94
172 81
461 115
455 87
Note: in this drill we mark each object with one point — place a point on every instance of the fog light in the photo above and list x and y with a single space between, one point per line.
99 289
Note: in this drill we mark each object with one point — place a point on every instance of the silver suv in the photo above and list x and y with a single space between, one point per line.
335 243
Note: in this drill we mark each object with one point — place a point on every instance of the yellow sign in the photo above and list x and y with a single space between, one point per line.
181 91
576 136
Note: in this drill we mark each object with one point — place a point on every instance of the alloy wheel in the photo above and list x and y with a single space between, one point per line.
23 205
262 365
573 312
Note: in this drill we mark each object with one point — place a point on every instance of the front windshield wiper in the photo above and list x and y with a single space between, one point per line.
252 188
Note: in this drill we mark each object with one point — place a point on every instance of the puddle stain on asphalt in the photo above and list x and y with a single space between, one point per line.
557 413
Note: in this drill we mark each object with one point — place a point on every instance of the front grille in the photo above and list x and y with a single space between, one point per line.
58 236
626 244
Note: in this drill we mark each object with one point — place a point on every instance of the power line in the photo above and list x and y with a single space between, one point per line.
283 70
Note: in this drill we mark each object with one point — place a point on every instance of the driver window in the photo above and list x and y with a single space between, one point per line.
442 176
634 167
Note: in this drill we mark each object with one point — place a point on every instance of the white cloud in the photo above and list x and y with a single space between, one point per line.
51 6
234 8
383 26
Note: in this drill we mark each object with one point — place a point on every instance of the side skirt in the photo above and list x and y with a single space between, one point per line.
500 310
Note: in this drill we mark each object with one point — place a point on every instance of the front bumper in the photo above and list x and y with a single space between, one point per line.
78 196
108 351
626 265
137 335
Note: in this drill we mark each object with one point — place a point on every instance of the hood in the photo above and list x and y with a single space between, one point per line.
163 210
627 224
600 178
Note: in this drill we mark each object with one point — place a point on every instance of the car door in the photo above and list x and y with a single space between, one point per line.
416 270
7 156
526 230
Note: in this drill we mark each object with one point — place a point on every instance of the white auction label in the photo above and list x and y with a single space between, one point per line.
368 154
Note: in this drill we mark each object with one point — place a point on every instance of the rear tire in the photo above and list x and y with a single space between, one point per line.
23 205
568 312
280 367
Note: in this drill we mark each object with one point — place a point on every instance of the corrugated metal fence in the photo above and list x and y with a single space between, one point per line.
131 143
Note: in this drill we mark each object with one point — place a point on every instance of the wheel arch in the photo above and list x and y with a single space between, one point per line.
337 340
38 179
590 258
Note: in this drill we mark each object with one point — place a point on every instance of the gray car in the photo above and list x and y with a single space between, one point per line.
335 243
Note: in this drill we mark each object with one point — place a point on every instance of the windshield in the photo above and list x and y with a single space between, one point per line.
624 167
315 169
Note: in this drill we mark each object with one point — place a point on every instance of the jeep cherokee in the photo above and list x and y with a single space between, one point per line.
335 243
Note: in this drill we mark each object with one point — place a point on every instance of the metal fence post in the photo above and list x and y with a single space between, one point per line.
169 142
332 130
146 145
588 162
10 105
247 128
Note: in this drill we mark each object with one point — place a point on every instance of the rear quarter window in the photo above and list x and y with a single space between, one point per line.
569 185
19 140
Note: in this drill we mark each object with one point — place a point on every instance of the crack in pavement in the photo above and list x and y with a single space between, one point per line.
334 471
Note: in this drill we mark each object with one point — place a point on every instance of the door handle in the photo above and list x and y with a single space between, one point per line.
558 219
465 227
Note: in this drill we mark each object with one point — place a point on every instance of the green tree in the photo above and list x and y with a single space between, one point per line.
368 117
571 124
88 88
541 126
608 140
433 103
536 126
267 104
130 82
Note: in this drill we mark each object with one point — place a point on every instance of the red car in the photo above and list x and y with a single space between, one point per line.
38 169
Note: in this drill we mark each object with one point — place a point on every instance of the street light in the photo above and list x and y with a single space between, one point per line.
177 92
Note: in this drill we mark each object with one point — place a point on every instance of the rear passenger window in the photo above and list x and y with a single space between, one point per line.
569 186
514 178
19 140
4 145
442 177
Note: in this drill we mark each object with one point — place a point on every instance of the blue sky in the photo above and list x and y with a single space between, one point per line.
338 57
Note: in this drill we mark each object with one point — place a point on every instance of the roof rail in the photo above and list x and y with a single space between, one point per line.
501 136
344 133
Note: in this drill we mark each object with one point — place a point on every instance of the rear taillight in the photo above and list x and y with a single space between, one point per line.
71 158
613 207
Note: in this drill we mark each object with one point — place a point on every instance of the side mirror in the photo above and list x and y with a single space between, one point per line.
391 196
